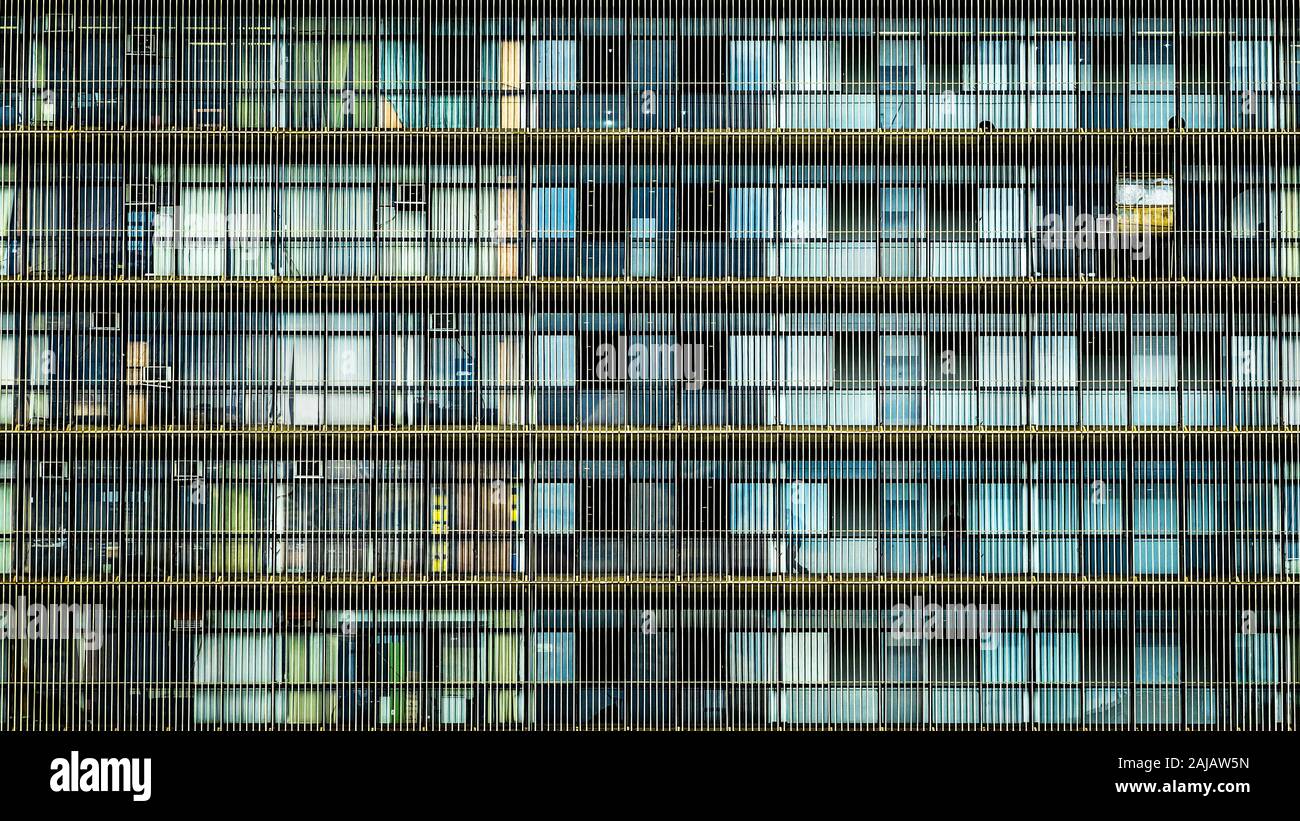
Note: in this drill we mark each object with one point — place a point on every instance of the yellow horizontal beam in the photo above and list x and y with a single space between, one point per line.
700 135
641 433
613 583
526 283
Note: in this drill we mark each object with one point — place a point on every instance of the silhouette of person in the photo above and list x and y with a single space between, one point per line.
953 529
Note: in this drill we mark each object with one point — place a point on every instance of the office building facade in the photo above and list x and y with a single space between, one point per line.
586 365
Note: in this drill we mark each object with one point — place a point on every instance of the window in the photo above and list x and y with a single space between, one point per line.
555 65
1155 361
901 359
752 507
555 213
751 65
1056 361
751 213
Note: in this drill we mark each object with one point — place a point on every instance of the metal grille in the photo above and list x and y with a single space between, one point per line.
613 365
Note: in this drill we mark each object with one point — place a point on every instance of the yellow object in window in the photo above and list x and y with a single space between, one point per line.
438 552
441 514
441 525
